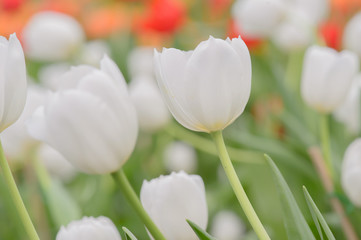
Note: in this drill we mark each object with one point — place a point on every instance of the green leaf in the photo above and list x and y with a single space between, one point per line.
202 235
317 216
295 223
62 206
128 234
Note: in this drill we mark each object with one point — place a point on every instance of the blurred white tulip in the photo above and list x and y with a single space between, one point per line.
12 81
92 52
227 225
352 34
180 156
326 77
171 200
315 10
49 74
294 33
90 120
52 36
15 139
89 228
349 111
351 172
55 163
152 112
208 88
140 61
258 18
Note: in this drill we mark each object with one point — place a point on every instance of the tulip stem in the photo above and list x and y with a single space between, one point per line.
237 187
325 142
133 200
16 197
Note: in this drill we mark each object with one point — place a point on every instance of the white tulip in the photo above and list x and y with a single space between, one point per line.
52 36
258 18
352 34
90 120
180 156
208 88
140 61
89 228
93 51
15 139
170 200
152 112
55 163
351 172
349 111
294 33
315 10
12 81
326 77
227 225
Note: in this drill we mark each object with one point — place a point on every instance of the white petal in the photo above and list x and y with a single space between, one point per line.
108 66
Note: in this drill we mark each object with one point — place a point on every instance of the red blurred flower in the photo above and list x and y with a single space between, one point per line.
9 5
164 16
331 32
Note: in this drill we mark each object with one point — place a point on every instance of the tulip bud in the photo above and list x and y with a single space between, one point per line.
258 18
90 120
171 200
227 225
152 112
208 88
326 77
351 172
89 228
15 139
140 61
55 163
352 34
52 36
12 81
180 156
349 111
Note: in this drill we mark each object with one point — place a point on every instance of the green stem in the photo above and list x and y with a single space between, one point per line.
237 187
203 144
14 192
133 200
325 142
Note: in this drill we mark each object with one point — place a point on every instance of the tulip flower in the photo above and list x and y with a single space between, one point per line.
179 156
89 228
258 18
15 139
326 77
227 225
152 112
349 111
52 36
208 88
13 81
171 200
352 34
90 120
351 172
55 163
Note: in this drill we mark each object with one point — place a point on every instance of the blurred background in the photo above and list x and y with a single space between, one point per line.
57 34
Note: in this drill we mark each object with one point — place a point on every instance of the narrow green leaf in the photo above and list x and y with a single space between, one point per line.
319 218
128 234
202 235
295 223
62 206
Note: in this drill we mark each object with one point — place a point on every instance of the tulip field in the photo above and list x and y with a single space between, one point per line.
180 119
